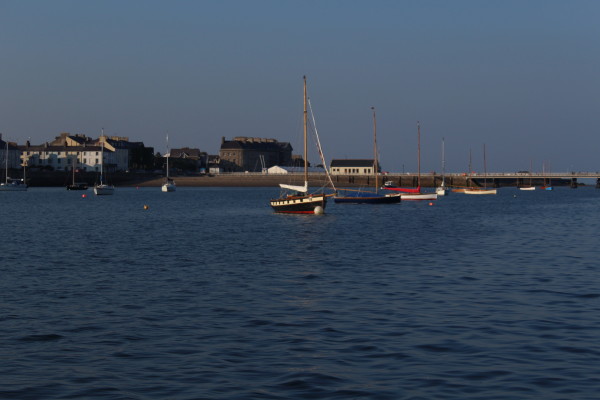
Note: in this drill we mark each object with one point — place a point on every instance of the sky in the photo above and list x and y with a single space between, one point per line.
521 77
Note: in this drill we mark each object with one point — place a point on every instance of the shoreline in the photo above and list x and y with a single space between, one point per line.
56 178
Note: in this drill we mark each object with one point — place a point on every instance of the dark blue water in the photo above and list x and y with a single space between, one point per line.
209 295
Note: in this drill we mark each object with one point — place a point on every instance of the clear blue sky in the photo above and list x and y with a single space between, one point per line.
523 77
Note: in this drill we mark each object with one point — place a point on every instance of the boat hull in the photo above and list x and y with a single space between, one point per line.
104 190
527 188
78 186
441 191
13 188
368 198
299 204
480 191
168 187
419 196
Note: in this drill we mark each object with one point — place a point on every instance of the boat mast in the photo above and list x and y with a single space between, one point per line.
168 155
443 164
102 157
305 138
418 154
375 160
484 168
6 158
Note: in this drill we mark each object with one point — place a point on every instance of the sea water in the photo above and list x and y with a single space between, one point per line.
205 293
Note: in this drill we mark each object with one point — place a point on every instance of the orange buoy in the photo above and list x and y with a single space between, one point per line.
84 195
430 203
146 207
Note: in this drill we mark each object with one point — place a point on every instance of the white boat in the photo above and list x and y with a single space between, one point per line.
480 191
103 189
10 184
442 190
484 189
169 185
419 196
530 186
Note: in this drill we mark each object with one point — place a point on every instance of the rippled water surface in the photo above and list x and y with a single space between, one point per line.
209 295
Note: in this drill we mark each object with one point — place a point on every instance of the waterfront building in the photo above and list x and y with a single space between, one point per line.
352 167
253 154
63 158
60 154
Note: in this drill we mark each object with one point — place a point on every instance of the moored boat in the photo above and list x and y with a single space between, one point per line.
369 197
12 184
103 189
300 201
482 190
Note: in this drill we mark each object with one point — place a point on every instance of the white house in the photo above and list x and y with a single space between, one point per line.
352 167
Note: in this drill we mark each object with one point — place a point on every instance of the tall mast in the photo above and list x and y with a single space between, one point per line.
168 155
443 162
418 154
305 137
375 159
6 157
484 168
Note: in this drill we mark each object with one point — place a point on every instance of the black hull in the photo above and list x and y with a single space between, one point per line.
367 199
299 204
77 187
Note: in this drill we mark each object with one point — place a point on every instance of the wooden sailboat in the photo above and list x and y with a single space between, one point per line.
300 201
416 194
442 190
468 177
484 189
10 184
103 189
76 185
530 187
169 185
369 197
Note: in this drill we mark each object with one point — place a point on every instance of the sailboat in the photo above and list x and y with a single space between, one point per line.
369 197
10 184
442 190
169 185
416 194
547 184
530 187
484 189
468 179
102 189
76 185
299 201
